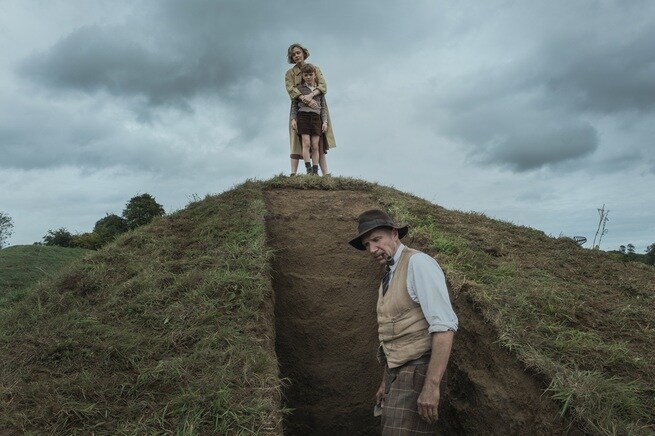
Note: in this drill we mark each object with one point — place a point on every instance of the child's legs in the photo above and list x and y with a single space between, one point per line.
305 147
315 153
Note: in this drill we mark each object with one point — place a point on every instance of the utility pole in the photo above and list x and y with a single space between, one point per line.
601 226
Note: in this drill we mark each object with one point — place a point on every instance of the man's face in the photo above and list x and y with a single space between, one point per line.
381 243
297 54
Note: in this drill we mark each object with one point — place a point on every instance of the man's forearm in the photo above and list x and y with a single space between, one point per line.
442 343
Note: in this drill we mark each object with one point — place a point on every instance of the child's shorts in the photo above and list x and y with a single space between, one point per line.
309 123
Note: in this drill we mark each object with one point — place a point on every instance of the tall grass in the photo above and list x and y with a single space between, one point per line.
166 330
578 317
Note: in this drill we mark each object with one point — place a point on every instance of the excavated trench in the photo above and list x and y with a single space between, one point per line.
326 333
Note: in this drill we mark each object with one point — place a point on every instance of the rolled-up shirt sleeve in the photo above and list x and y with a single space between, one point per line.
426 284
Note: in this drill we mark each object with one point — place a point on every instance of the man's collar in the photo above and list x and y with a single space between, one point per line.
396 256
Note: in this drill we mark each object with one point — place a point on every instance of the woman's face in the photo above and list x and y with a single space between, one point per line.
297 55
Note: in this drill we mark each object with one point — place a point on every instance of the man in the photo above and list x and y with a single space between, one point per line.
416 325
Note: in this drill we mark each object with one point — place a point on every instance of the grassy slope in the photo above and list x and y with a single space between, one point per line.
168 329
580 317
22 266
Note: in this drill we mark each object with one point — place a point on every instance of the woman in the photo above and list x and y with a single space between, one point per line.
297 54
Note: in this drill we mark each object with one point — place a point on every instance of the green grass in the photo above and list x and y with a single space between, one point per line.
581 318
166 330
169 329
21 266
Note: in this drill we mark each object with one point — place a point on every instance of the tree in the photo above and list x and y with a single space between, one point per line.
650 254
109 227
60 237
6 228
90 241
631 249
622 249
140 210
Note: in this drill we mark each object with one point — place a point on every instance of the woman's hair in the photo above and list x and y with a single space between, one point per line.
308 68
291 47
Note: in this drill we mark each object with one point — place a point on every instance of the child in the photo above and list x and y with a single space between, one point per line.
310 123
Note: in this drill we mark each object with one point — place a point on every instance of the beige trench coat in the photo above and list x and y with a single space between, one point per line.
292 79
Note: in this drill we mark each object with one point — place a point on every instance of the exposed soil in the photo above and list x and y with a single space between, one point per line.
326 333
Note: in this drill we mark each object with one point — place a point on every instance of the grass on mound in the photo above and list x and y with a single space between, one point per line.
166 330
21 266
581 318
169 329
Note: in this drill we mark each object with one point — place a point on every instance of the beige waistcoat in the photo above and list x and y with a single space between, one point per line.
402 327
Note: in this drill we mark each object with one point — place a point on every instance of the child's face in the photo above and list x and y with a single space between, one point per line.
309 77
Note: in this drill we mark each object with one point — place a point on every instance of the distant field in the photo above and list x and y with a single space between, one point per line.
23 265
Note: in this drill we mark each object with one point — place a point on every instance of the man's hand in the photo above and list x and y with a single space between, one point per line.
294 125
428 403
379 395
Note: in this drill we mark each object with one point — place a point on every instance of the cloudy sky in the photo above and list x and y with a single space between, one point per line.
534 112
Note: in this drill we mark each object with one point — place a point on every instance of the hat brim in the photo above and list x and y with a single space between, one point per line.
357 240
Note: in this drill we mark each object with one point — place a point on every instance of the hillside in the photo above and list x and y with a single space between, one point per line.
179 327
22 266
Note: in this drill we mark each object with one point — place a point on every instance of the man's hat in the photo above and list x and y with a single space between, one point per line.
372 219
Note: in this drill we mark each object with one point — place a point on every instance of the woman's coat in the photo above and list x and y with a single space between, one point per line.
292 79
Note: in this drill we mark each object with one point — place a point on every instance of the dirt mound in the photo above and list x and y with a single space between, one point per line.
327 333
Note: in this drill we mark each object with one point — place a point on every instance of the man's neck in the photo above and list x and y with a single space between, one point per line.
396 251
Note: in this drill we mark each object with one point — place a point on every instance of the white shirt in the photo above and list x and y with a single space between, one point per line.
426 285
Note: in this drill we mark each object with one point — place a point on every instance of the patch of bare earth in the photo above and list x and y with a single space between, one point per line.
326 333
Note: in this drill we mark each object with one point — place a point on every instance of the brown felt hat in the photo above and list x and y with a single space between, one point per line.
372 219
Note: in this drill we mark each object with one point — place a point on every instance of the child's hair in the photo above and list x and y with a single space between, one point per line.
308 68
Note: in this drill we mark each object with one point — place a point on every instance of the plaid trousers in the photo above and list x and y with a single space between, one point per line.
400 412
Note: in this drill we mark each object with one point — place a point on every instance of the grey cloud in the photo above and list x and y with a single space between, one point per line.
506 120
548 106
92 59
603 74
178 50
170 54
620 161
527 149
37 135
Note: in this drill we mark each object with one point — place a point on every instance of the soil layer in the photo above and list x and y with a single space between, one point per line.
326 333
326 330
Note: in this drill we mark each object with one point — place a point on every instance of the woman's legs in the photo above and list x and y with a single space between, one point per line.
322 162
294 165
